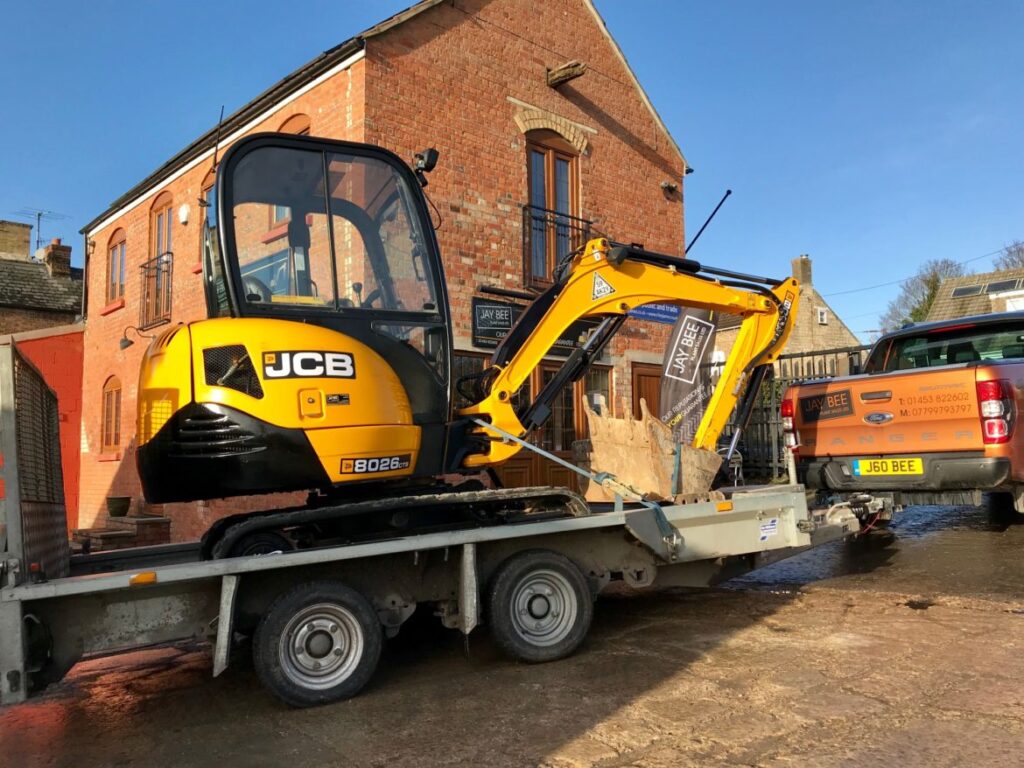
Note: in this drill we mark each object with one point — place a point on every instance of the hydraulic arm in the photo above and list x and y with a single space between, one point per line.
605 282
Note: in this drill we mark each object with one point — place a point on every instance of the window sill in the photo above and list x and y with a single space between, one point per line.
281 229
275 234
109 456
113 307
154 324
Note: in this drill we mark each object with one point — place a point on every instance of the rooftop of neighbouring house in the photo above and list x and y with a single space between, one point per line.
46 282
974 294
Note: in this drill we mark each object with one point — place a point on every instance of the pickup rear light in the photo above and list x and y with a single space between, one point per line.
787 411
997 410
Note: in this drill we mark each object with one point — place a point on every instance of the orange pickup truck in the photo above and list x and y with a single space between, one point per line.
933 418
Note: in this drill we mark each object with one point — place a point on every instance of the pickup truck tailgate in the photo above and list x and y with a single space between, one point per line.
894 413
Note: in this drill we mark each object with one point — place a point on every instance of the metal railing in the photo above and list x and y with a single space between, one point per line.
547 237
155 306
762 443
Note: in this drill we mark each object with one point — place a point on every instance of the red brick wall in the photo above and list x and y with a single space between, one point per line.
445 79
19 320
59 359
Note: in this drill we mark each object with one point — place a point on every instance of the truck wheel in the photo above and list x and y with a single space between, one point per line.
539 606
317 643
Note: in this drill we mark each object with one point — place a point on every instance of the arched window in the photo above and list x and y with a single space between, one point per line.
156 273
111 425
115 266
297 124
160 227
553 226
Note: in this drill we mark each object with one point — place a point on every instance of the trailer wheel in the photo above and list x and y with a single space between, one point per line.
540 606
317 643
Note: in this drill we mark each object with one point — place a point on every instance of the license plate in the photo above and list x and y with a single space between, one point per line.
863 467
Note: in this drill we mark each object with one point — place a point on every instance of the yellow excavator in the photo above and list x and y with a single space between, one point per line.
325 363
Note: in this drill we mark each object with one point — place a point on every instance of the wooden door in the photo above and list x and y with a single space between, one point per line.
518 472
646 385
556 436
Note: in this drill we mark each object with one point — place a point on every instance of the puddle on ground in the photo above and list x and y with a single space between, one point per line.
926 549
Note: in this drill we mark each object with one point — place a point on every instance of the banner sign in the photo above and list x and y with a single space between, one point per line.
492 321
657 313
686 381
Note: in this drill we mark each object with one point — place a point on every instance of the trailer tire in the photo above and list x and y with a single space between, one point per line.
539 606
317 643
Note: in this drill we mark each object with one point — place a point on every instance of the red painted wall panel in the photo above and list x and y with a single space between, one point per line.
59 359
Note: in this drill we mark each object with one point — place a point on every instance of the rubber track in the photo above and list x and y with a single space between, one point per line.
571 504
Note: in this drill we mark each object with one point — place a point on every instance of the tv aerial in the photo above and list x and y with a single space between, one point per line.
40 215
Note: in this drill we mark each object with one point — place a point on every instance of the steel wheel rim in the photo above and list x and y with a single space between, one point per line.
321 646
260 548
544 608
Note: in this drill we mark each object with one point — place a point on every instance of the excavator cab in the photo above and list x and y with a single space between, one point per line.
336 237
327 311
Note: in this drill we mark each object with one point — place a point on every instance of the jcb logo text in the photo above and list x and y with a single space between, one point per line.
291 365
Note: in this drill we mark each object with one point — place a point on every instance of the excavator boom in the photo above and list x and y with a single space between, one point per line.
605 281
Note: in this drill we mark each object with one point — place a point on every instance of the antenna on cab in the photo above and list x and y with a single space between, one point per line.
203 203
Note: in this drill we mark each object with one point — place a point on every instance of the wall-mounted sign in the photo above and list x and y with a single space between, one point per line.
658 313
492 320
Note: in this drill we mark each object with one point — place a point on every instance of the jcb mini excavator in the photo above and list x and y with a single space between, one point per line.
325 360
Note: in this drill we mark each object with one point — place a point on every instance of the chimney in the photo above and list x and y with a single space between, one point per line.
802 269
57 258
14 240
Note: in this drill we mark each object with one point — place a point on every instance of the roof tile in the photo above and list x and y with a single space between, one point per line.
29 285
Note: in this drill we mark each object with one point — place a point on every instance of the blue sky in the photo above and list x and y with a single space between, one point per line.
871 135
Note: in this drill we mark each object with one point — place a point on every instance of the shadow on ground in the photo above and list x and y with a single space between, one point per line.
436 699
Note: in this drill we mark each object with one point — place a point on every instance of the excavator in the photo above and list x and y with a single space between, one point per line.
324 364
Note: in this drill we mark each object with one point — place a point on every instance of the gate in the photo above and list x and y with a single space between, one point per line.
762 444
33 521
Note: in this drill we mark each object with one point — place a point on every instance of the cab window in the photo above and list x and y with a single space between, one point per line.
379 247
346 241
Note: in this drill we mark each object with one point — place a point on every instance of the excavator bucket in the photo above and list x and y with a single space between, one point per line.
642 456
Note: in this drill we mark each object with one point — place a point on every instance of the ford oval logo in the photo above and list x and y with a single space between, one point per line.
878 417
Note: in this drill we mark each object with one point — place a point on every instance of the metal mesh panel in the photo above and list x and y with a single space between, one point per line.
157 412
231 367
41 480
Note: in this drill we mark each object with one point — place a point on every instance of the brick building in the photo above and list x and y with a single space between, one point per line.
38 292
544 135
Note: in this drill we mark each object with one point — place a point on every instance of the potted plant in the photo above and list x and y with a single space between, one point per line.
117 506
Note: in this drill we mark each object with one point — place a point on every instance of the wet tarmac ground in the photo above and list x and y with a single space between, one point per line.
902 648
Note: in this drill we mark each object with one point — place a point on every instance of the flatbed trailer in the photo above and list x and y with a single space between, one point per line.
318 616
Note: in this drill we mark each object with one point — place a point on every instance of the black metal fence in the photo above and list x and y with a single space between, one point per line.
761 445
547 237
